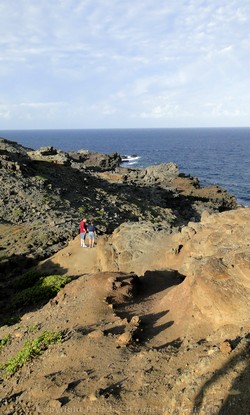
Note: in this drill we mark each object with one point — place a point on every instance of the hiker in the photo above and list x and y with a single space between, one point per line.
83 231
91 234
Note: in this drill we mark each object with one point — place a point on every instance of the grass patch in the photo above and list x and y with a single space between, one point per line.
30 350
32 329
4 341
42 291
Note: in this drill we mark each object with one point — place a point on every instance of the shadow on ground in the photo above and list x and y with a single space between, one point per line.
14 272
238 399
142 292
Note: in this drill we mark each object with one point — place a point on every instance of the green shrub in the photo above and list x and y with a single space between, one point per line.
81 210
43 290
35 327
4 341
31 349
17 213
57 282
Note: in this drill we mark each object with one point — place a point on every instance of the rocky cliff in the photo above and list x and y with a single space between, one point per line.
154 319
45 193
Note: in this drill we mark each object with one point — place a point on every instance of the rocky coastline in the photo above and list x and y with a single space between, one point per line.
157 312
45 193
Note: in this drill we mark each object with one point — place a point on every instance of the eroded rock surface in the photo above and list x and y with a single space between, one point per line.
213 256
156 316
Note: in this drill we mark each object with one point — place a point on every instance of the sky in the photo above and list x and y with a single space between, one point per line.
124 63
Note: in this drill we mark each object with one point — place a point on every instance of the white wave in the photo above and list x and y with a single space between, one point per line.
131 163
130 158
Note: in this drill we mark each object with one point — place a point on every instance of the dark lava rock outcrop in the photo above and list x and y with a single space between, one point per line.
45 193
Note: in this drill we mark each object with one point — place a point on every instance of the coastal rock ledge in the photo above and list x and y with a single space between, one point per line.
153 320
45 193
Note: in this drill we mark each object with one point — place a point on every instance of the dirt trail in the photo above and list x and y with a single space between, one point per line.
91 372
117 355
73 260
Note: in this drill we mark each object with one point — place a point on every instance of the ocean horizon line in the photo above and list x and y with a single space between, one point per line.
125 128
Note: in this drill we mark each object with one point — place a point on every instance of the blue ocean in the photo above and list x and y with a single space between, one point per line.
217 156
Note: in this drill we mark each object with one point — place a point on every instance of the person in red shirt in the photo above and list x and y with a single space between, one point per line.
83 231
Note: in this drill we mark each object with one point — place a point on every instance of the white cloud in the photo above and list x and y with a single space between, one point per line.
226 49
120 58
4 114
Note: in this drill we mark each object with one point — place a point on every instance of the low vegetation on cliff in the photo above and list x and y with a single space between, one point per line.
155 319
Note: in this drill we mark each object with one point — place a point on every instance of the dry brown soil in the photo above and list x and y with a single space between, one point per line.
116 357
